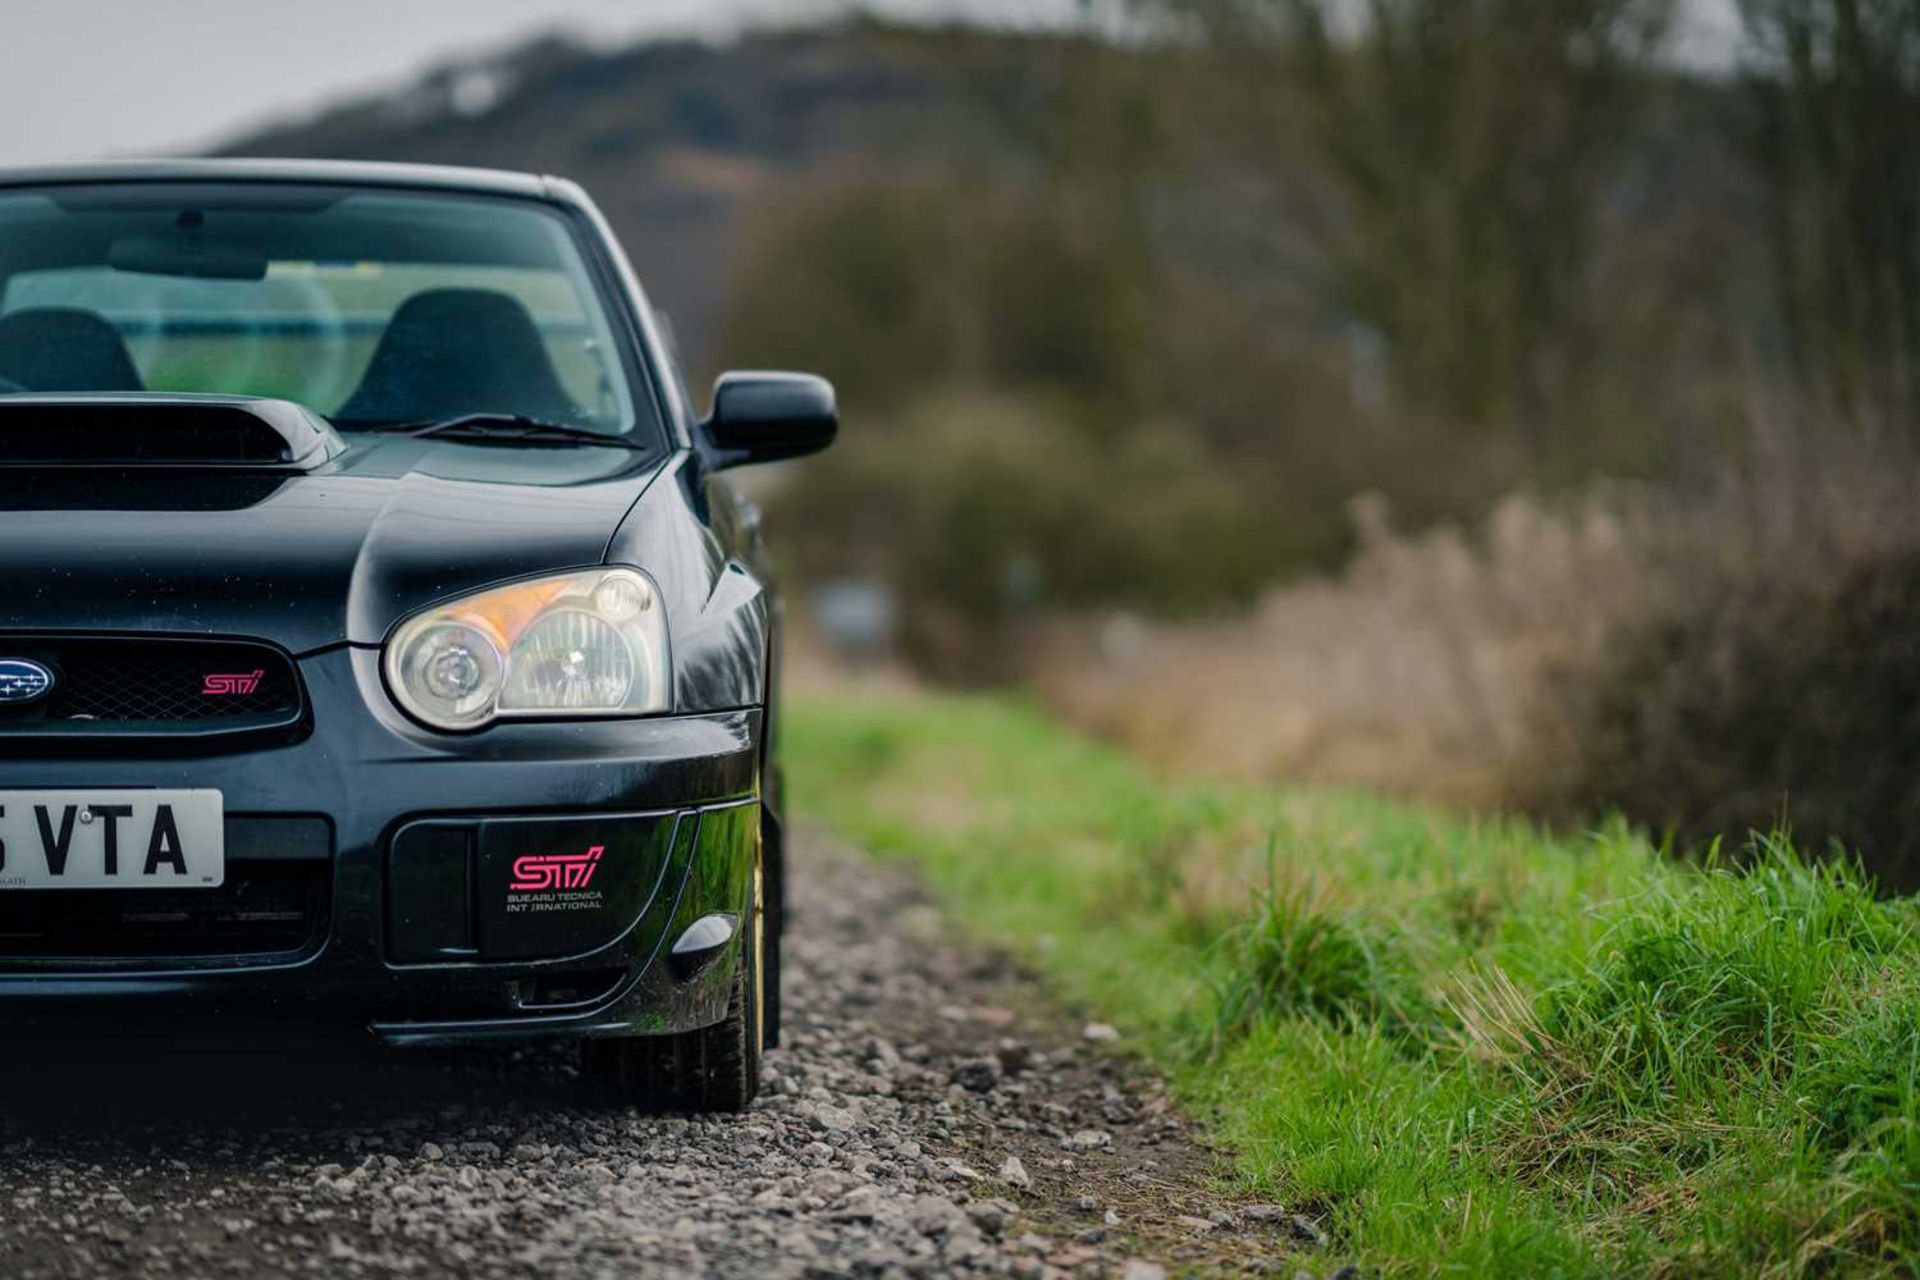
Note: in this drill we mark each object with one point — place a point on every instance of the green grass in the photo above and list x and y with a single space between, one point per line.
1472 1047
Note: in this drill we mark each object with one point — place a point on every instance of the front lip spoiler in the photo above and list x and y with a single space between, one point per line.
657 999
444 1035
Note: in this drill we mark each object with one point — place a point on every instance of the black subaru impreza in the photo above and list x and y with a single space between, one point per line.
379 642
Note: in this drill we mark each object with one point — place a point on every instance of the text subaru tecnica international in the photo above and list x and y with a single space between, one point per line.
377 640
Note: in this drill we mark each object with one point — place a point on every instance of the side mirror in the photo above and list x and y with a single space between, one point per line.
765 417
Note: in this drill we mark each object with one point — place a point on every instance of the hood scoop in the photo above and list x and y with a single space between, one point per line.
163 431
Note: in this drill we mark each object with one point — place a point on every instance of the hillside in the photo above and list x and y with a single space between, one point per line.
682 141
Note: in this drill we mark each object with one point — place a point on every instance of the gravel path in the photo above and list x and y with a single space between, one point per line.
929 1115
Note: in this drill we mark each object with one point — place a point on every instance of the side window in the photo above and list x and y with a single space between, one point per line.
676 367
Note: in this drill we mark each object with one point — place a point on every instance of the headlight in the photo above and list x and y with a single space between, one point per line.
580 644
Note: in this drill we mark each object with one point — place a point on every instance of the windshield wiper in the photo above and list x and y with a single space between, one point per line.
507 428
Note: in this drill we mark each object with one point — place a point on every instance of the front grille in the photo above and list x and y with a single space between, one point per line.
265 909
155 685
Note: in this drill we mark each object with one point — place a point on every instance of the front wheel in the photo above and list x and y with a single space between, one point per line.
716 1068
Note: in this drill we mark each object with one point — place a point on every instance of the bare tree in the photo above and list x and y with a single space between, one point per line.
1838 141
1469 146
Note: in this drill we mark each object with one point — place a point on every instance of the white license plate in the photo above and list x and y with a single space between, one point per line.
112 840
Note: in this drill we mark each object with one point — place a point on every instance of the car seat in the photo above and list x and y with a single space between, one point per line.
449 352
55 349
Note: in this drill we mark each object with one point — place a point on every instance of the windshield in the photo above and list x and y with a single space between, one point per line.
367 306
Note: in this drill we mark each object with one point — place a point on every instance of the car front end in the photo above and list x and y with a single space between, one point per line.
369 869
376 644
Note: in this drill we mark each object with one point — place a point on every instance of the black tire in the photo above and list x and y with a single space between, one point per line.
714 1069
774 841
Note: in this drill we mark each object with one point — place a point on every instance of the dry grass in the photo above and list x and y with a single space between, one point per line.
1412 671
1480 666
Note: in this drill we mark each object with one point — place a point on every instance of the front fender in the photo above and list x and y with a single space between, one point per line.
718 609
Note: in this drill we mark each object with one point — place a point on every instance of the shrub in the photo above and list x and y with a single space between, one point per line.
1766 678
982 512
898 287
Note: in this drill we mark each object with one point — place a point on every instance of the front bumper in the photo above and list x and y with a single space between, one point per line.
674 801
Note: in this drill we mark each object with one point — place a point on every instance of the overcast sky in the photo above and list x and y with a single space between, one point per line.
87 78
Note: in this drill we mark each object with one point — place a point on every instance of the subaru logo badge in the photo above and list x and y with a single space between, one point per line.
23 680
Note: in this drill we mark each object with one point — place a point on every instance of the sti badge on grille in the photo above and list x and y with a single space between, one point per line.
23 680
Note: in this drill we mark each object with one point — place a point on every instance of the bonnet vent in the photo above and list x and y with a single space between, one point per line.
162 431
